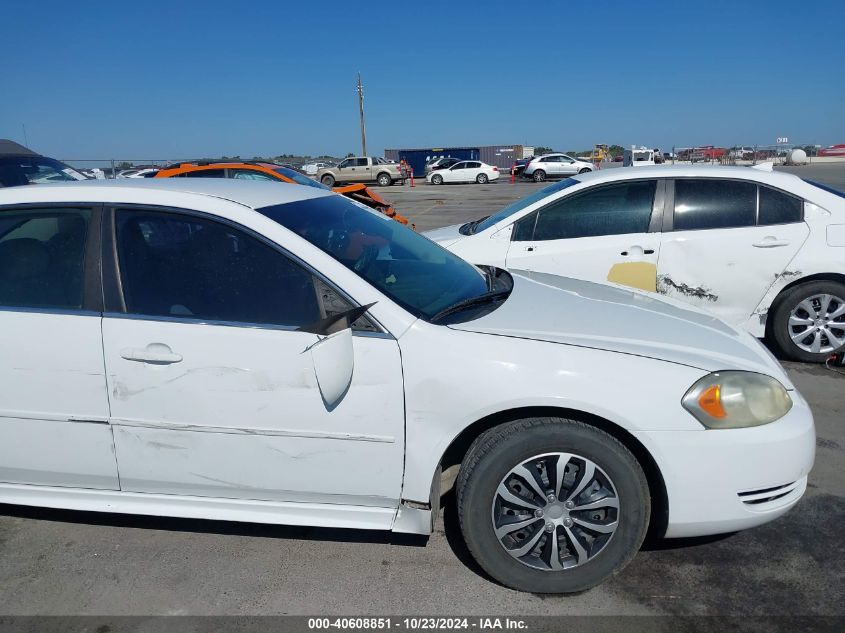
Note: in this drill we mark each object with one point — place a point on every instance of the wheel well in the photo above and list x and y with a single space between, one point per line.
658 521
838 277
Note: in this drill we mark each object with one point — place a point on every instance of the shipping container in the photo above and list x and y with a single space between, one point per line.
499 155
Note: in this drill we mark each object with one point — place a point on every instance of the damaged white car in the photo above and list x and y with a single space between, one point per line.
763 250
250 351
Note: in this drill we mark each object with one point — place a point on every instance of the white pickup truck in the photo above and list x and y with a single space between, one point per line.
361 169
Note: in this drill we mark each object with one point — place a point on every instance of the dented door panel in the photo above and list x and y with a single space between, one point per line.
726 271
240 415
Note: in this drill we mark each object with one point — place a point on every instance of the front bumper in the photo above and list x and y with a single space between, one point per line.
720 481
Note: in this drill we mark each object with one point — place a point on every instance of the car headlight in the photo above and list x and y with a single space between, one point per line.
737 399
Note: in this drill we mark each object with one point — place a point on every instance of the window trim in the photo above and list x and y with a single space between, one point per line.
669 212
656 221
92 295
114 301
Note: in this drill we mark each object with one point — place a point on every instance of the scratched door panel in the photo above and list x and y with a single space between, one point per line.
721 270
241 415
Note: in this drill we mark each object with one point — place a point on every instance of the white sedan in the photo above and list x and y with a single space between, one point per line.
464 171
252 351
763 250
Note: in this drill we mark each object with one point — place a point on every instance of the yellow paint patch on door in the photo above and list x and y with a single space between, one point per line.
642 275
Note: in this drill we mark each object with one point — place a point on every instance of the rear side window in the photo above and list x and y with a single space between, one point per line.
183 266
605 210
714 204
206 173
41 257
777 207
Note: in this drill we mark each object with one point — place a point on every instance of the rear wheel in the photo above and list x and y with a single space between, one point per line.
539 175
482 179
384 180
550 505
808 323
437 179
327 180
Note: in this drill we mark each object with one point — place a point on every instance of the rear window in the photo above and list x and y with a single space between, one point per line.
714 204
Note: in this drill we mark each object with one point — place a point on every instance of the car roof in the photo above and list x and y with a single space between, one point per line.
163 191
774 178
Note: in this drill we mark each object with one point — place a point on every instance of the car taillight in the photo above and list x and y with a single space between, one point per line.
495 169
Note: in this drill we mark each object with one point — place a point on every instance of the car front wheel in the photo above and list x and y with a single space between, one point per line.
550 505
808 322
328 181
437 179
585 170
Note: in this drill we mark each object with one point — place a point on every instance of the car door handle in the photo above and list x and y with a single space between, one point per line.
770 242
155 354
647 251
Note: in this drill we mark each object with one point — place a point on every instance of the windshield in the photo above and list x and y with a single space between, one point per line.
412 270
299 178
522 203
34 170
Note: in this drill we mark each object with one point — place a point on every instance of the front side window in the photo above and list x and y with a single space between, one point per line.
41 257
413 271
184 266
714 204
345 163
777 207
605 210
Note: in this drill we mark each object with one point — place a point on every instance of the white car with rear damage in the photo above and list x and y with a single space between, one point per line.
763 250
253 351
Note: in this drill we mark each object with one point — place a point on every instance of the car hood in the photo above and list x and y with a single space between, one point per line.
446 236
602 316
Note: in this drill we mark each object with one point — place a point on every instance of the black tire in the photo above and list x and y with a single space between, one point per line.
781 331
437 179
539 175
497 451
482 179
328 180
384 180
585 170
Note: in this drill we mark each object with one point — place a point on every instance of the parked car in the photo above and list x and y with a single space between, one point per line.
275 353
311 169
520 164
277 173
777 273
440 163
465 171
19 165
361 169
554 166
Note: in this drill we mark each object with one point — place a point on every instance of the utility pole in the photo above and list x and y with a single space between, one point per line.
361 111
25 139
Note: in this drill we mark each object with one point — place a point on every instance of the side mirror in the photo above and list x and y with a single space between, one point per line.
334 363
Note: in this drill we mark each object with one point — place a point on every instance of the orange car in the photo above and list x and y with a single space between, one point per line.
271 171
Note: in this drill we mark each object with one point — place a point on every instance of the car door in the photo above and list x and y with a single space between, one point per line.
215 391
346 170
455 173
726 243
567 166
54 415
609 232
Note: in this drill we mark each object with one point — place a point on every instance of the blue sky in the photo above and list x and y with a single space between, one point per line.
153 80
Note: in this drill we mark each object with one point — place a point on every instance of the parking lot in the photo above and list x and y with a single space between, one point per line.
62 562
